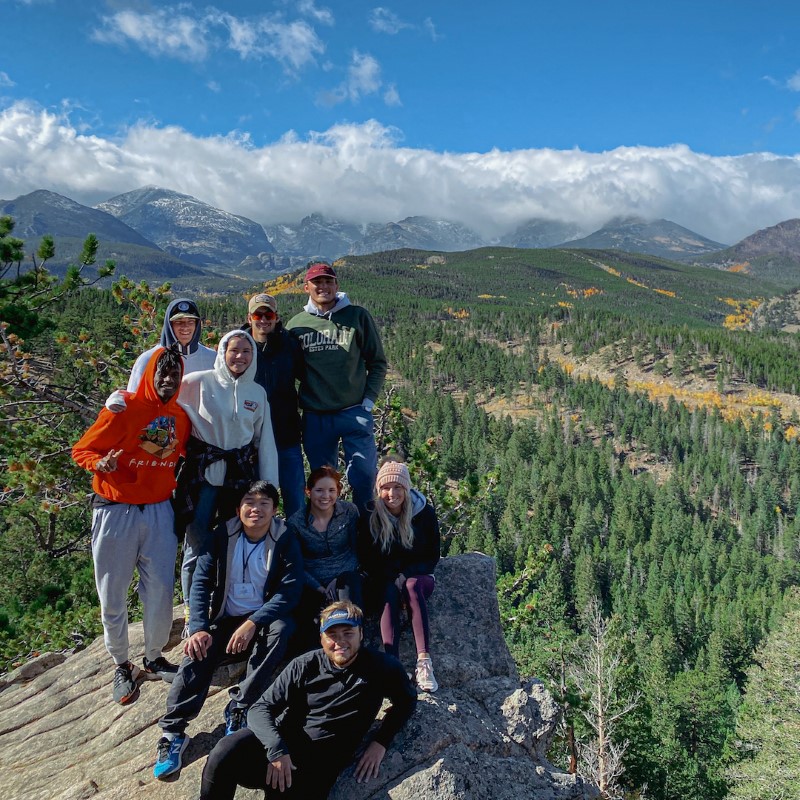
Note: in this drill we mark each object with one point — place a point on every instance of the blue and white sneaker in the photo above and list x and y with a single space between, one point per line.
169 755
235 718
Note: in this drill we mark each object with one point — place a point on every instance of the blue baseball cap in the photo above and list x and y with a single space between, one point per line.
339 617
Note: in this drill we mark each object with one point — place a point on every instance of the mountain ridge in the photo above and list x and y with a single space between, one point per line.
226 246
190 229
43 212
660 237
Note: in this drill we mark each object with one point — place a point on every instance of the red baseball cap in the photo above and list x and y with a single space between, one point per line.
320 269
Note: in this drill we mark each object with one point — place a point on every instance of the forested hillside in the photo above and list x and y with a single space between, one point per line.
662 535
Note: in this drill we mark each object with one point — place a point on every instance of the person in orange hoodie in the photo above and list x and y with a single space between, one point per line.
133 456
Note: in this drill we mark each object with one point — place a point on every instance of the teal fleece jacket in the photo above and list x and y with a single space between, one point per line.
343 354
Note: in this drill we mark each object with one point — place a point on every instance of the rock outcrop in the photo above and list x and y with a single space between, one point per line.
482 735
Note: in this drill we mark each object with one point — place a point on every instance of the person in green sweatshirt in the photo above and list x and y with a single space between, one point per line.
344 371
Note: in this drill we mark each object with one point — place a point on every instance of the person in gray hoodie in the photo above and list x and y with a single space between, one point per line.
344 371
182 328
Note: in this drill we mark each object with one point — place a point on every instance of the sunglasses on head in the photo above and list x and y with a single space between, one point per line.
264 315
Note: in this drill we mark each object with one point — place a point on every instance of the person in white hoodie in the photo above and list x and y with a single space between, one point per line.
232 444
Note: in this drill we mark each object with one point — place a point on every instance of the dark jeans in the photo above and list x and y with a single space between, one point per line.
213 502
240 760
348 586
291 472
190 687
414 593
354 428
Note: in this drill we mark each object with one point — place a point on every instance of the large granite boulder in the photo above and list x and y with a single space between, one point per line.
482 735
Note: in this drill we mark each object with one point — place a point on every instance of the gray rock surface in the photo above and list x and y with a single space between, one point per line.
482 735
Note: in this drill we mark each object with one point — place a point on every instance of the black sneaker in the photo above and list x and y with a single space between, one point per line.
126 688
235 718
160 668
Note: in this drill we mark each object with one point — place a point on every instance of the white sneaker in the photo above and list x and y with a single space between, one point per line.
426 680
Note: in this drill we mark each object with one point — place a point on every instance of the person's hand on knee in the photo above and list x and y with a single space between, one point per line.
196 646
241 637
279 773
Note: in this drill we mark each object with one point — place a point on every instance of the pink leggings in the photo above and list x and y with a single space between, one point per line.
414 593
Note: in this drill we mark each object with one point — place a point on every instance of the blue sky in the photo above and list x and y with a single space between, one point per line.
488 113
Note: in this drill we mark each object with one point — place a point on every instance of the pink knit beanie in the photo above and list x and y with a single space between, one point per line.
393 472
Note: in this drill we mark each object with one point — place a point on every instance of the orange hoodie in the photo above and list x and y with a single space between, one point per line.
151 434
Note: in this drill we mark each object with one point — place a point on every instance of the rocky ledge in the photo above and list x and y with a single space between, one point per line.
482 736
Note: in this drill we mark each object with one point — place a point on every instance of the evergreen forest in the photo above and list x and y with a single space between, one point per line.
610 427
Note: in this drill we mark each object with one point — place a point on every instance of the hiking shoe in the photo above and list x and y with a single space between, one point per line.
426 680
169 755
235 718
126 689
160 668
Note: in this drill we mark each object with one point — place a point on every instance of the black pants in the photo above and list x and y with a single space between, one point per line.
190 687
348 586
240 760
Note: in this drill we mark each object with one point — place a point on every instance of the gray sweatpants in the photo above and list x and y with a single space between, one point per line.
125 537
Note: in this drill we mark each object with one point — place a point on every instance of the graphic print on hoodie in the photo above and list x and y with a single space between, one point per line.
152 436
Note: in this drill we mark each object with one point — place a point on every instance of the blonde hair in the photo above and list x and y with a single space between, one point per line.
385 527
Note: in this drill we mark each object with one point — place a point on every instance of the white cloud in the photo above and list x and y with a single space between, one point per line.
794 82
293 44
391 96
431 29
362 173
5 81
322 15
214 86
363 75
164 32
363 78
797 114
383 20
178 32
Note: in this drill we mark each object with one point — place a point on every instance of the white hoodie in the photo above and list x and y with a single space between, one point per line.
230 412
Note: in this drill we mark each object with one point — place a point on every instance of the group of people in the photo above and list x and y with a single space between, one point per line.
195 448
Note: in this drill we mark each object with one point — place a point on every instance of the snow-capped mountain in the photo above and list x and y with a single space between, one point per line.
191 229
314 237
68 222
537 233
43 212
421 233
